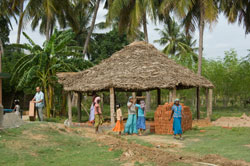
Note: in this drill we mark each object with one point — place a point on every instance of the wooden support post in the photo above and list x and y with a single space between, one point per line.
112 106
170 96
69 109
148 101
134 95
174 94
102 101
209 103
198 102
79 109
159 96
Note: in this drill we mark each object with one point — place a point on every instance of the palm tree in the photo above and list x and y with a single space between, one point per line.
194 13
237 11
97 4
7 10
83 12
178 45
131 15
42 63
48 12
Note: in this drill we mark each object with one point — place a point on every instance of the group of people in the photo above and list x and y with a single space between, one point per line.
136 122
133 124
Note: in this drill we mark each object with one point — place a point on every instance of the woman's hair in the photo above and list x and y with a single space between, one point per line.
118 106
16 101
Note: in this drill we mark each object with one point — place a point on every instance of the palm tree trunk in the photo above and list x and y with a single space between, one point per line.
91 27
63 104
145 29
46 101
48 27
1 54
51 92
20 23
201 33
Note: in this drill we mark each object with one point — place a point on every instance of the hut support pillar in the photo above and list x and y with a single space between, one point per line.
174 94
159 96
69 109
170 96
79 110
209 93
112 106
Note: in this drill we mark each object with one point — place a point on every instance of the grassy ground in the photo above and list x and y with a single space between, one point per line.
34 145
44 144
231 143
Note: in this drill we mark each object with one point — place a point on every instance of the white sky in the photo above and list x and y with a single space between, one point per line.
220 38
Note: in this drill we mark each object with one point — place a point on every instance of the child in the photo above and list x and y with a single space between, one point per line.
119 127
98 114
17 108
141 117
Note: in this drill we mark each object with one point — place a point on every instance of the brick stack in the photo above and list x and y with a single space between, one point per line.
162 124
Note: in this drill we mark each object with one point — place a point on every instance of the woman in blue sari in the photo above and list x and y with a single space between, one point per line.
178 114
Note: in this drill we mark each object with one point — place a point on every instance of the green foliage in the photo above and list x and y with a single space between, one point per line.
104 45
230 76
41 64
4 30
130 14
178 45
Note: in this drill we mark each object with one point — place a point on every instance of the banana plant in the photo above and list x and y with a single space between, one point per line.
58 54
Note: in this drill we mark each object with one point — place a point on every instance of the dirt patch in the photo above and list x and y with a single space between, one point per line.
243 121
34 136
247 145
159 156
201 123
11 120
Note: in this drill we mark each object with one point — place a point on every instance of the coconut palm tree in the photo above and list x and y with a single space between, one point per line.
83 12
47 13
42 63
237 11
194 13
97 4
178 45
131 16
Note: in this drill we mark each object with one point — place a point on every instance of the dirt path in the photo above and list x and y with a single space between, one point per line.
134 152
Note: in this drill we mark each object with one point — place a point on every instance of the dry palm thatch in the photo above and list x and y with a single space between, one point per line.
137 67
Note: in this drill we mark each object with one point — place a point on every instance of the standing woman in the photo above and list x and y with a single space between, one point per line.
92 111
178 114
98 114
130 127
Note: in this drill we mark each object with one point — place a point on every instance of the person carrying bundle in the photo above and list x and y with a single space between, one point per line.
130 127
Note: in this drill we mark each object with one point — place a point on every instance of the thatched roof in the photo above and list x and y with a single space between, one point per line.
137 67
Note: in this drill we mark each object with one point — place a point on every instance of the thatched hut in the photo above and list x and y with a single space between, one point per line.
137 67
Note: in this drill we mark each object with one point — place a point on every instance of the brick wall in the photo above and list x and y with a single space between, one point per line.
162 125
